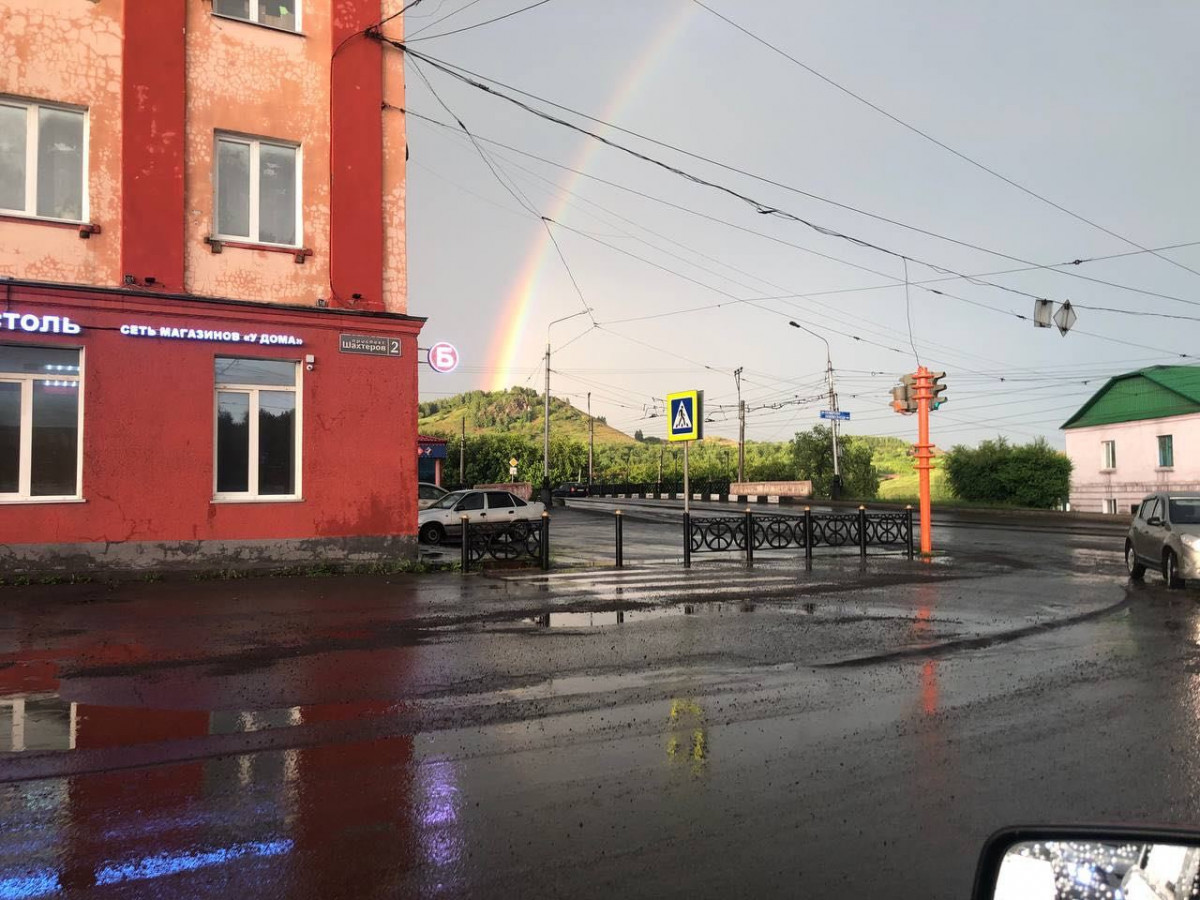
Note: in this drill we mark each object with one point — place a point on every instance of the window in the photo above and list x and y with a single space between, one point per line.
1110 454
283 14
257 444
1110 507
1185 511
499 500
471 502
257 191
39 423
1166 451
43 160
1149 509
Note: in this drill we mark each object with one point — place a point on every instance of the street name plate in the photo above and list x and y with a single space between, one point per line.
369 344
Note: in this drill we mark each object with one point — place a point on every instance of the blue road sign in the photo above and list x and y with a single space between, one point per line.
840 414
685 416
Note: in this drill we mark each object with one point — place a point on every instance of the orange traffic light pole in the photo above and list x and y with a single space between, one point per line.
924 392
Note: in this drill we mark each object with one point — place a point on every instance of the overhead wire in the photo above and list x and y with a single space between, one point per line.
507 15
1053 268
484 84
929 137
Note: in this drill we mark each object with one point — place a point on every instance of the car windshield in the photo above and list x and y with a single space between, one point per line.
448 501
1185 512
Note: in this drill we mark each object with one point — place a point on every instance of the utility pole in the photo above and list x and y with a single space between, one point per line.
591 438
835 490
546 498
741 467
546 450
661 451
462 455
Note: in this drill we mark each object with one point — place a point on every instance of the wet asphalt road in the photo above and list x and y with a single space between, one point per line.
648 733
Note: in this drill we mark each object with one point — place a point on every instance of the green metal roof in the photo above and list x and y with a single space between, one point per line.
1153 393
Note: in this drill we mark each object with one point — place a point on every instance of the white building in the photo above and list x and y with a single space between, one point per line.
1138 434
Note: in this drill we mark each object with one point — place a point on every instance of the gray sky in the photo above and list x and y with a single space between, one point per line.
1090 104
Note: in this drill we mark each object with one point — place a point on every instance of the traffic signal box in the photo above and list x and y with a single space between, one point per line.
920 392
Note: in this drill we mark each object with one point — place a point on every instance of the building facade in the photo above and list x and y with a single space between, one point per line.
205 353
1138 434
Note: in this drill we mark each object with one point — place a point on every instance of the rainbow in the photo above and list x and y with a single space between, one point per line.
516 308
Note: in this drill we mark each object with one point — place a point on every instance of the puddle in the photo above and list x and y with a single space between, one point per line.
41 722
609 618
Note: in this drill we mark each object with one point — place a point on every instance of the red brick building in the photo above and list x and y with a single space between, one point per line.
205 354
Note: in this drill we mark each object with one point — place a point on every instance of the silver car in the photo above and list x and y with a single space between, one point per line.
1165 535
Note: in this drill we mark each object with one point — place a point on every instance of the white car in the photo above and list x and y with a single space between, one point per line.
444 517
428 494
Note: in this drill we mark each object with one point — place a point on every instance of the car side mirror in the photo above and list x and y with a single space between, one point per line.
1154 520
1044 863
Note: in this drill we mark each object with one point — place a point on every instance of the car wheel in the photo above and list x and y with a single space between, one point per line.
432 533
1136 569
1171 570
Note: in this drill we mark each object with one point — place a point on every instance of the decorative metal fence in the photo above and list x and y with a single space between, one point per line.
860 529
508 542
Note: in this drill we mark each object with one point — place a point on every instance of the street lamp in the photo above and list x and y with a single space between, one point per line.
836 490
546 450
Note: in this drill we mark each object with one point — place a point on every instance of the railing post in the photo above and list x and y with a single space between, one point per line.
466 543
908 515
749 538
687 540
862 532
620 540
545 540
808 538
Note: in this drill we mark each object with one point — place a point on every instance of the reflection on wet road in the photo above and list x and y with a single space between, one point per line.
721 733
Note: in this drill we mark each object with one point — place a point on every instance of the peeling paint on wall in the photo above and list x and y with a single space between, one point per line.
65 51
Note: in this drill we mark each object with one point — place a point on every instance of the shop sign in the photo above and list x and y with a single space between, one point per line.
30 323
369 344
210 334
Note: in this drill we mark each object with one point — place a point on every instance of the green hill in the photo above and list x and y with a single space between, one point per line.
516 411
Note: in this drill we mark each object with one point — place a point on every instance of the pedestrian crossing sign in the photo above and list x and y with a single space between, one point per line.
685 416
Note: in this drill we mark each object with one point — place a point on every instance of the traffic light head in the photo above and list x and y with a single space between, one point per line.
936 389
904 395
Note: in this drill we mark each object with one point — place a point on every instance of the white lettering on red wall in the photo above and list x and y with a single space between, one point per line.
31 324
210 334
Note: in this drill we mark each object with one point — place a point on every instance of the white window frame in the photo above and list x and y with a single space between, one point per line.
252 17
1159 447
255 143
252 495
32 136
1110 507
1108 455
25 465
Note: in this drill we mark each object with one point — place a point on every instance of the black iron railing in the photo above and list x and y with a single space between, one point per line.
527 541
861 529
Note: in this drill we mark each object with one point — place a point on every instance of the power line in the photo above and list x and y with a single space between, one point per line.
478 81
449 15
927 136
508 15
1027 266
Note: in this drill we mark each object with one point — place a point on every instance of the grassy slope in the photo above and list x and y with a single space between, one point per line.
513 412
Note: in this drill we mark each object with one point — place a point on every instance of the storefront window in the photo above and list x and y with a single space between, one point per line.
39 423
257 429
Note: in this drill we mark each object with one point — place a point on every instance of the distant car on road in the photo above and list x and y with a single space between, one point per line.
428 494
571 489
1165 535
444 518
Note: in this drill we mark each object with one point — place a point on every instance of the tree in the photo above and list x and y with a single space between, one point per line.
638 436
812 455
1032 475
